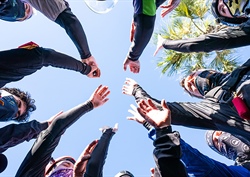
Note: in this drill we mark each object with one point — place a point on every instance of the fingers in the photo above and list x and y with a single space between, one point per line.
134 69
85 157
115 128
104 95
97 73
152 170
91 146
105 100
125 89
103 92
124 66
131 118
151 104
132 32
164 104
132 112
142 112
145 106
133 107
157 50
97 89
142 105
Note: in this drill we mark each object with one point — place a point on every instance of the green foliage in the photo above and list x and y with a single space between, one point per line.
192 19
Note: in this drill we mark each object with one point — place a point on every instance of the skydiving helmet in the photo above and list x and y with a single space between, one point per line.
233 7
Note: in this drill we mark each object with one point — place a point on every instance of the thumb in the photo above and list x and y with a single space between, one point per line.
131 36
85 157
164 104
125 66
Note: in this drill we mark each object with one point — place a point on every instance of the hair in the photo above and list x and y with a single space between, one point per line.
26 98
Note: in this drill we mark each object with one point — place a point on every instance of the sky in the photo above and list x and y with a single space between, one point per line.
57 89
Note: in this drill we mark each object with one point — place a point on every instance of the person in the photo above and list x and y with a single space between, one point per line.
15 10
167 151
233 14
195 163
36 160
142 29
57 11
124 173
13 134
15 105
28 58
94 166
91 162
207 114
199 83
4 162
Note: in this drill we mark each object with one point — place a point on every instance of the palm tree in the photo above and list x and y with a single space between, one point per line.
190 19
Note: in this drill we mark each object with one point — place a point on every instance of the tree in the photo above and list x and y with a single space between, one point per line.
190 19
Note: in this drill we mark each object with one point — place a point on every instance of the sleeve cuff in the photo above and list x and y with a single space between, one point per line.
86 69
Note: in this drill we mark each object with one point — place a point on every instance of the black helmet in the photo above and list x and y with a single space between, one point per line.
3 162
234 21
124 173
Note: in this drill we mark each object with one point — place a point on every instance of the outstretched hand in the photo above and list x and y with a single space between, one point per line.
114 129
172 4
128 86
133 65
157 118
81 163
99 97
136 115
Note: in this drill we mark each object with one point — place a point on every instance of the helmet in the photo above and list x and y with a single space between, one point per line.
124 173
209 140
3 162
234 21
53 162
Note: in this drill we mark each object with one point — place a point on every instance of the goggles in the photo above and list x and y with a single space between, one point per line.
235 7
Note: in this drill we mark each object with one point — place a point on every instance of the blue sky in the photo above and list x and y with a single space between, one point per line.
57 89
